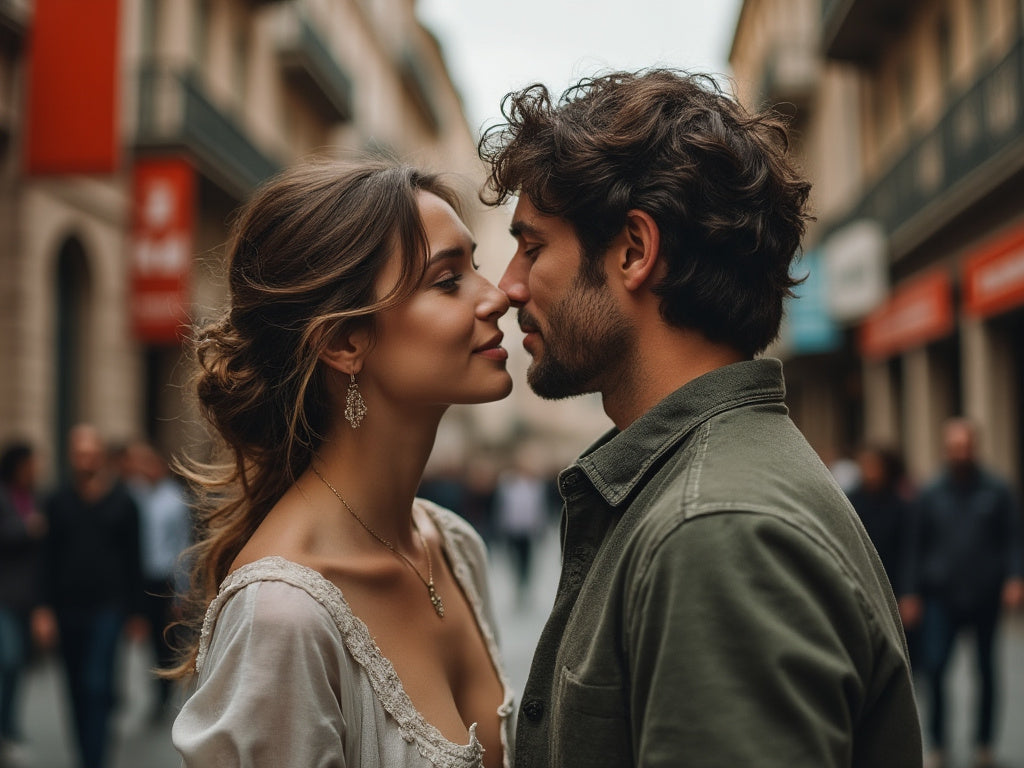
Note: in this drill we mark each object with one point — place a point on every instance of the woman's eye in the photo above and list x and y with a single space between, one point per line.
449 284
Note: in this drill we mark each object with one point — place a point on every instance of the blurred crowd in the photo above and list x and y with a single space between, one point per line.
953 549
92 560
99 558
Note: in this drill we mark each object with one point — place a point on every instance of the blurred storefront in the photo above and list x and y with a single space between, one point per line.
912 130
129 132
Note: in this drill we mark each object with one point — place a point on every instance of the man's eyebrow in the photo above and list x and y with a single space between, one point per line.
520 228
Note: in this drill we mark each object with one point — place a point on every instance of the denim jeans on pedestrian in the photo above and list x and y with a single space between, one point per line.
88 642
942 625
13 657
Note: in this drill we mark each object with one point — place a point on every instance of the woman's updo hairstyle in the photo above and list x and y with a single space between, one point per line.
303 262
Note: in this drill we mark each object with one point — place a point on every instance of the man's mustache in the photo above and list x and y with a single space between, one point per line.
527 322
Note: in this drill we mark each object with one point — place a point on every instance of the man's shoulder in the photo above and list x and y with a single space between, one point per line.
757 466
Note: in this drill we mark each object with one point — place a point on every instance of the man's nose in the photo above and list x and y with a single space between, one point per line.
514 281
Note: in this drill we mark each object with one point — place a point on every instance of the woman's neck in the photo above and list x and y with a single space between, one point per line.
377 469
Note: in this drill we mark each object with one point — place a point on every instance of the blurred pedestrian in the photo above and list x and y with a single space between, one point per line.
885 512
92 582
22 530
165 527
479 495
718 604
966 558
521 516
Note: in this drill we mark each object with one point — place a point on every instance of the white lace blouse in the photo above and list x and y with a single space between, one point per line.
289 676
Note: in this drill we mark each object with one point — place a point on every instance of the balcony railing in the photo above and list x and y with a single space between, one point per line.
856 30
791 73
981 125
175 112
312 69
15 17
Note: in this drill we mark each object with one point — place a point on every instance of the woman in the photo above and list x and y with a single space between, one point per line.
22 531
351 625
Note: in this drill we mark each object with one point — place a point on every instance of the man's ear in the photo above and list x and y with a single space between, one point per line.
641 242
347 349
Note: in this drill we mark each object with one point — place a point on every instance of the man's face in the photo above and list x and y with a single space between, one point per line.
86 453
959 444
575 330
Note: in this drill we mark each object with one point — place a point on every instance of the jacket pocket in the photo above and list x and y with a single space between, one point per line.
590 724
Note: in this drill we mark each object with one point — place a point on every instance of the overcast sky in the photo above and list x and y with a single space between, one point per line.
492 48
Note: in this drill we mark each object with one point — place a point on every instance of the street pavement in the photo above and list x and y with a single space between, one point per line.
141 743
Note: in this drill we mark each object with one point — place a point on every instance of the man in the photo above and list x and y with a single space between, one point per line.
92 581
165 530
720 604
965 559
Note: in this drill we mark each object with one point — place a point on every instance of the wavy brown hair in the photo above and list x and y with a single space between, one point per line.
303 261
717 180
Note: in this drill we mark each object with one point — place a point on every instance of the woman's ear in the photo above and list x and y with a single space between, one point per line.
642 242
347 349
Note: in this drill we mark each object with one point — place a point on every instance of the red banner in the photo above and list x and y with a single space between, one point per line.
994 276
916 313
163 201
74 50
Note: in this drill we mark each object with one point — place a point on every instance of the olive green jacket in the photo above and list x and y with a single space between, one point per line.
720 603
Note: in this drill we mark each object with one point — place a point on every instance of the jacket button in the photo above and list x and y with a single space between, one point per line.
534 710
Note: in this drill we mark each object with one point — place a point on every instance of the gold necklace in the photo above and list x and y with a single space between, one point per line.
435 599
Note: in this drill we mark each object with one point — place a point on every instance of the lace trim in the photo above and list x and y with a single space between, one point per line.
446 523
384 681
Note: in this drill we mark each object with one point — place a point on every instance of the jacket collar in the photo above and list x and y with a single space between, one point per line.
619 460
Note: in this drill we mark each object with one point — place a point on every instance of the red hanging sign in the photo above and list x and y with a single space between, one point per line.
72 115
994 276
916 313
161 248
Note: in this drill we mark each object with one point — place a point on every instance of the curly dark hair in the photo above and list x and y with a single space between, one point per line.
717 180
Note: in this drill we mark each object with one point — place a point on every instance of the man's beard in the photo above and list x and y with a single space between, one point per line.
586 339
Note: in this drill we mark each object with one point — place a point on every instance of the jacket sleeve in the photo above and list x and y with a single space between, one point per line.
747 646
266 696
13 535
1013 535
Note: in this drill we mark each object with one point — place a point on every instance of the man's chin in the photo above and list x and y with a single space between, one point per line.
554 384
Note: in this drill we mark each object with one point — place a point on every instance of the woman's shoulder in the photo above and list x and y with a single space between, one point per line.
456 531
275 597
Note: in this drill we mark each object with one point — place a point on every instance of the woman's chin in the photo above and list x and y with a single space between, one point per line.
497 391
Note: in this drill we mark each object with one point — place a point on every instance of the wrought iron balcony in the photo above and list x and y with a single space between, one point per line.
791 73
176 113
15 18
857 30
980 132
311 68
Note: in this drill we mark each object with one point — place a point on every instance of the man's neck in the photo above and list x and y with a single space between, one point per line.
663 359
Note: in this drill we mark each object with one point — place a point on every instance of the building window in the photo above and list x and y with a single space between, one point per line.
979 20
945 50
148 14
200 32
905 85
241 61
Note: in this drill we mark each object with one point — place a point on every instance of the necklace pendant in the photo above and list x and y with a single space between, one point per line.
436 601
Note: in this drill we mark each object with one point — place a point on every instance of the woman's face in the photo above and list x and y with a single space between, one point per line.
442 346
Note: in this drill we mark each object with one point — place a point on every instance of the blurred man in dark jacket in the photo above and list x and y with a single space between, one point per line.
93 582
966 560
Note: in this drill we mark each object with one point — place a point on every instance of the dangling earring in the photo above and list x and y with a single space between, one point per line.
355 406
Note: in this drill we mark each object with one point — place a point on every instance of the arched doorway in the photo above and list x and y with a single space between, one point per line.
73 310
